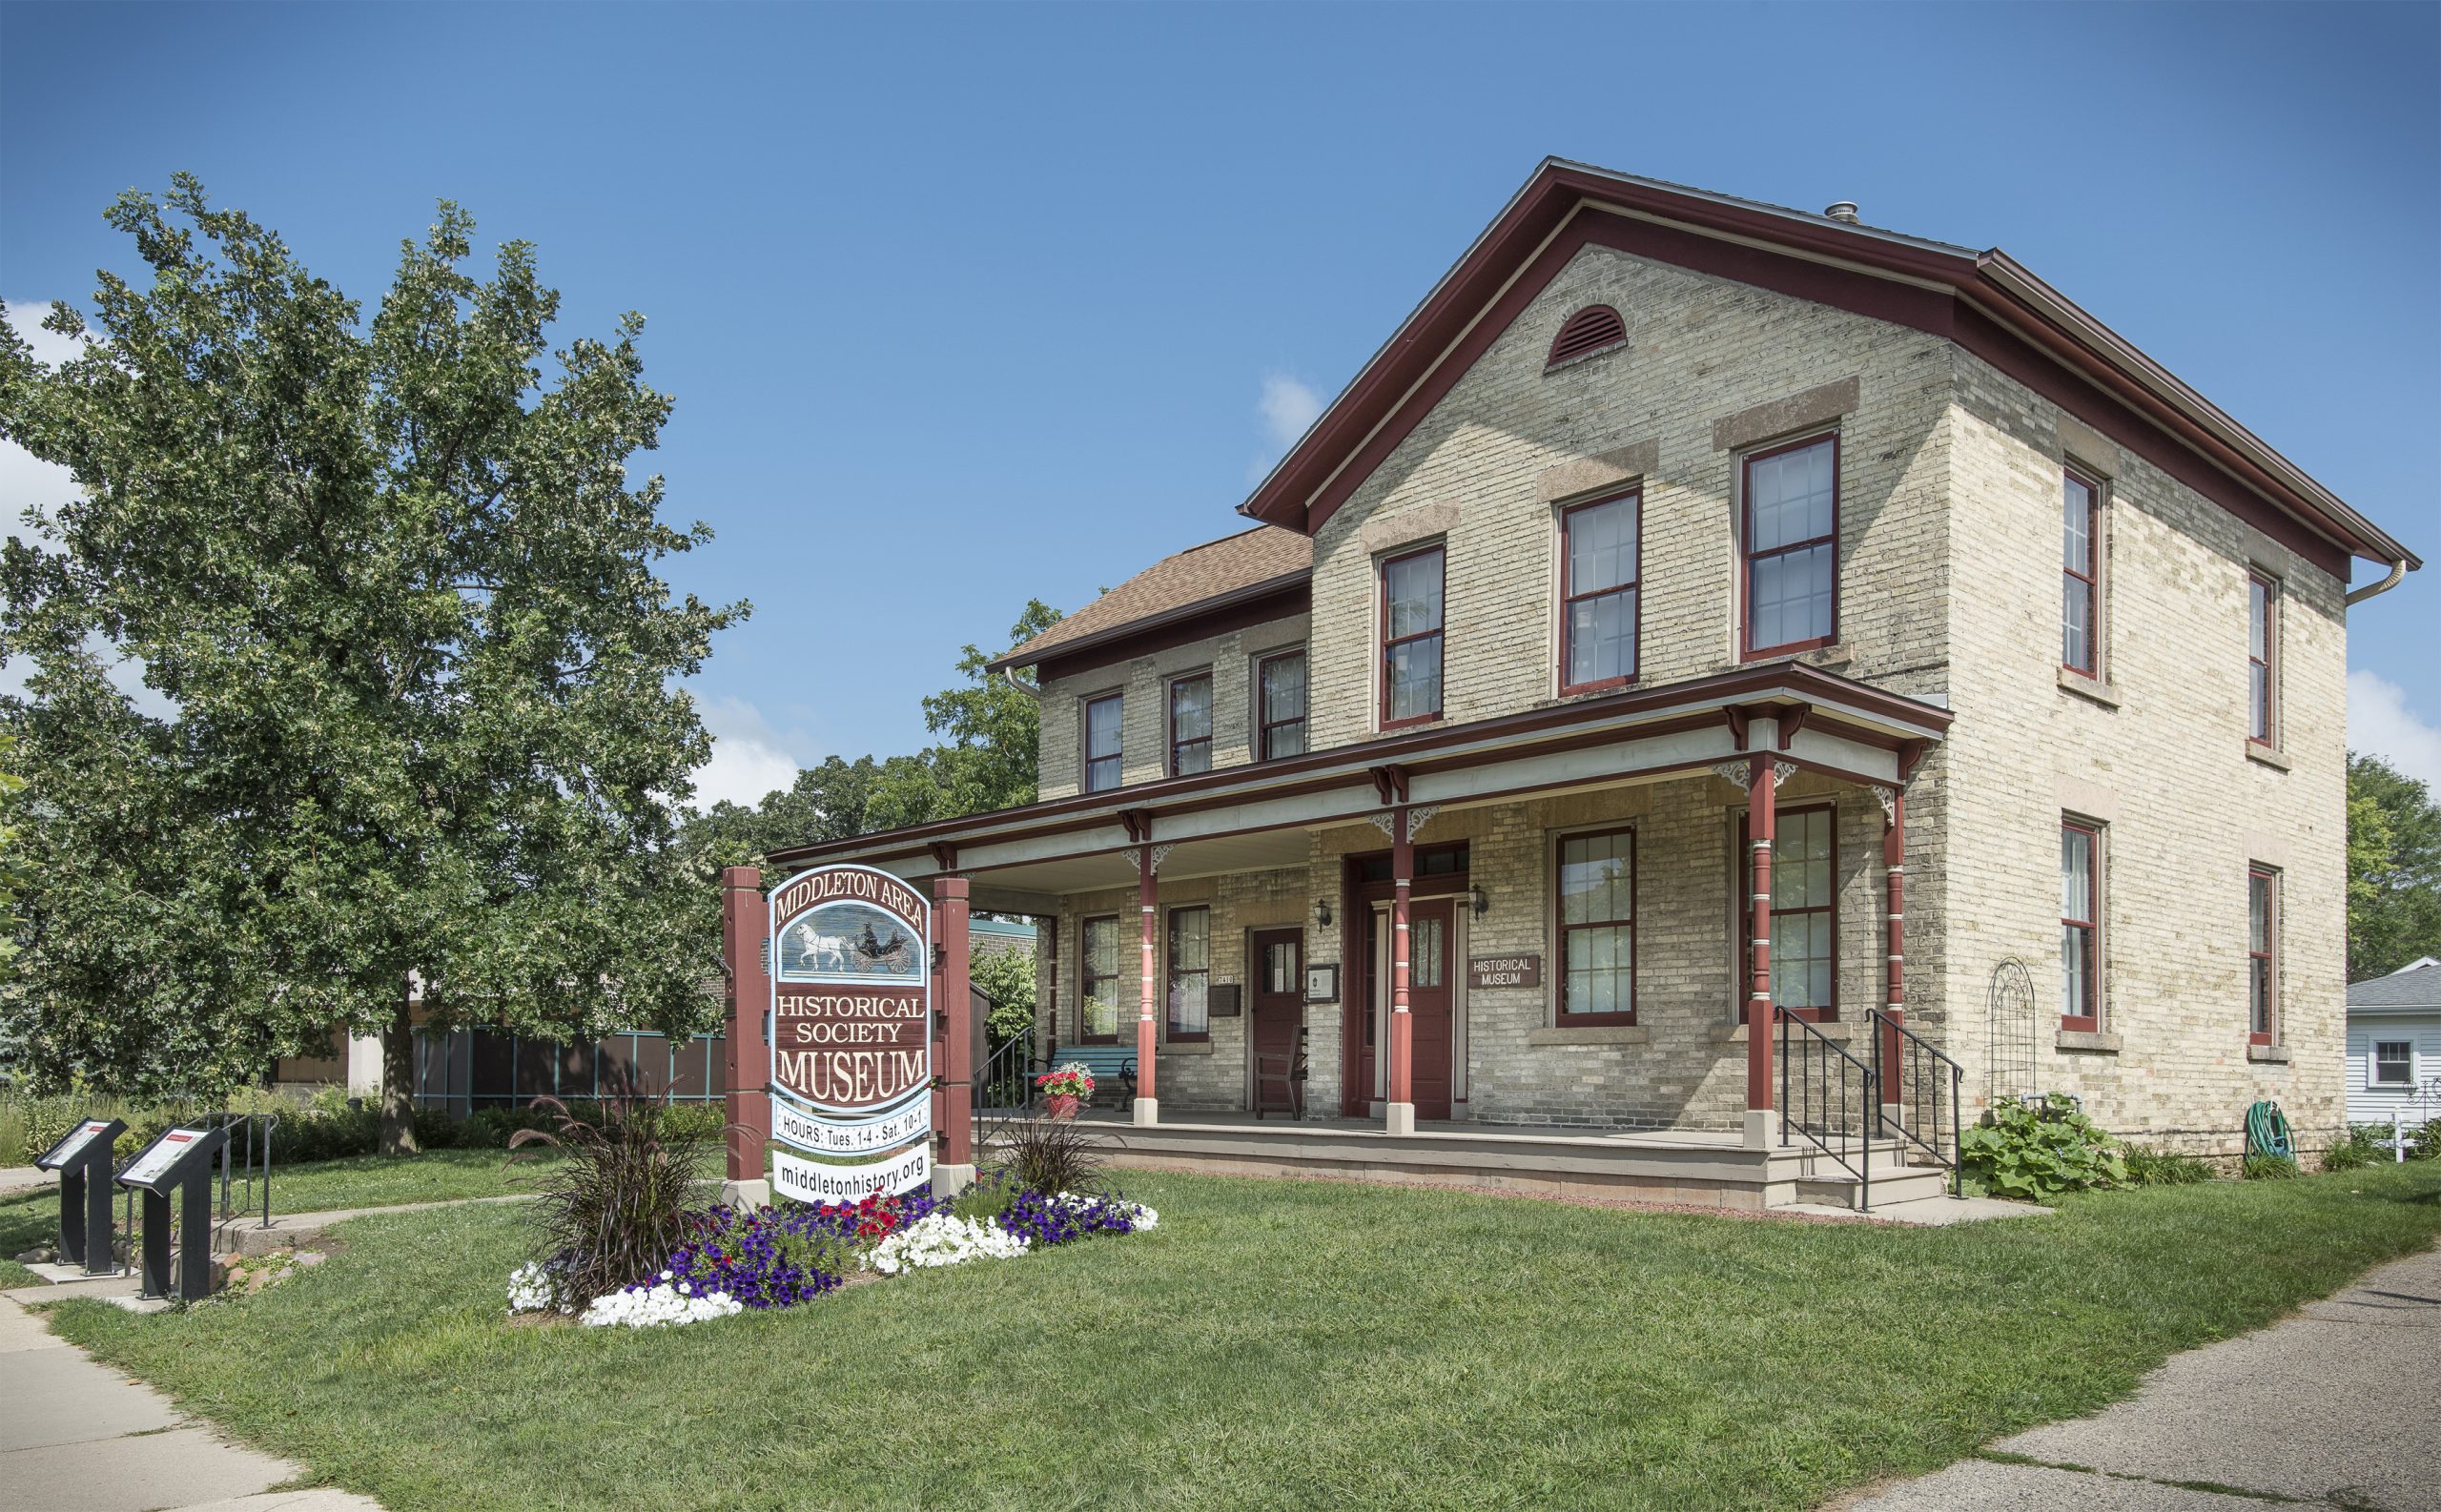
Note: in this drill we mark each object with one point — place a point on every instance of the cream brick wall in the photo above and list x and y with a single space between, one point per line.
2159 754
1144 717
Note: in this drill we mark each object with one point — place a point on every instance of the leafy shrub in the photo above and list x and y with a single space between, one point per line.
614 1209
2033 1150
2425 1143
2164 1168
2355 1150
2269 1168
1051 1156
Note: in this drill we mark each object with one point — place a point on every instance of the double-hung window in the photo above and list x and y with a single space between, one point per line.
1597 953
1190 993
2394 1063
1100 1026
1103 718
1191 724
2081 575
1411 636
1598 598
2262 955
2079 927
1790 536
1279 712
2263 659
1805 910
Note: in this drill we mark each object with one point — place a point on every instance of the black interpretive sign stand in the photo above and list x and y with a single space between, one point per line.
83 1161
181 1157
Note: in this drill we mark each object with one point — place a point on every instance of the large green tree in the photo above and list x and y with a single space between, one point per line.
400 595
2393 868
986 762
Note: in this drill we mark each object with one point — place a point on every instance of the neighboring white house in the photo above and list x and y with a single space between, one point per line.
2395 1045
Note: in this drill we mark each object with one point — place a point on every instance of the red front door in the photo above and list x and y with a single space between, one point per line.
1430 943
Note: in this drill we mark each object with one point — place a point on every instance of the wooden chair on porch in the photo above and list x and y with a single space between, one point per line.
1285 1072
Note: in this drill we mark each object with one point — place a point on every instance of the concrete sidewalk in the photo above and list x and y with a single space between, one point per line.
79 1437
2338 1407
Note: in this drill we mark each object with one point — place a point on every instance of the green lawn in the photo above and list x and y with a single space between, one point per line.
31 1217
1273 1344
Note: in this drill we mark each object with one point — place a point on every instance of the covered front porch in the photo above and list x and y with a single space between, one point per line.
1529 948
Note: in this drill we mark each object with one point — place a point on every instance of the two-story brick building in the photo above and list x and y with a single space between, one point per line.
1697 604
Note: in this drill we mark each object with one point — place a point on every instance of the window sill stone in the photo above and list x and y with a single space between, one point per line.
1839 1029
2094 690
1590 1034
2269 1055
1190 1047
2267 756
2088 1041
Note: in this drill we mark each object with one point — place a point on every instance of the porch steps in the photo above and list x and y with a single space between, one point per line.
1893 1185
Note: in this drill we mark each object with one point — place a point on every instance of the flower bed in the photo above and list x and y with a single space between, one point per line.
737 1259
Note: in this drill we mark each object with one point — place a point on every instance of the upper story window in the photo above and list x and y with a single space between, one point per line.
1102 718
1595 328
2263 659
1597 946
1791 534
1280 711
1599 566
1190 993
2081 575
1098 1022
1411 620
2263 954
1191 724
2079 927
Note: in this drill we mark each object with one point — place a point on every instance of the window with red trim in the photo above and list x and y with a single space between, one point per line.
1102 721
1190 983
1098 1019
2263 659
2262 955
1805 910
1411 636
1790 538
2080 928
1191 724
1600 558
1279 705
2079 574
1597 924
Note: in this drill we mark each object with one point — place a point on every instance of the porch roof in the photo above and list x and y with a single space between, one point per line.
1254 817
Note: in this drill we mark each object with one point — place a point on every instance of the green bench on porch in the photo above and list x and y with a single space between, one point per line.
1111 1066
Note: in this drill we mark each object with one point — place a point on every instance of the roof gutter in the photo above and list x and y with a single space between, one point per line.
2374 590
1033 653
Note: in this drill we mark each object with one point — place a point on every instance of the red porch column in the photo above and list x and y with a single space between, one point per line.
746 1058
1399 1116
1761 793
955 1171
1148 892
1894 868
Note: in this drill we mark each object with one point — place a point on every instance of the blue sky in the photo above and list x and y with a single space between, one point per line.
961 306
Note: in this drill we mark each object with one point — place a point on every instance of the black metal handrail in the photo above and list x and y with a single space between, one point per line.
1914 1091
243 1166
1838 1119
1004 1089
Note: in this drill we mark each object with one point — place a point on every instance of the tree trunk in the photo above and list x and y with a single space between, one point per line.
398 1082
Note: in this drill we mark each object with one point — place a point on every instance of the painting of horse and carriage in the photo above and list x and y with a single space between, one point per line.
853 940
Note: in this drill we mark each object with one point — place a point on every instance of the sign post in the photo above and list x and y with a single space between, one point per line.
83 1161
745 951
851 1033
181 1157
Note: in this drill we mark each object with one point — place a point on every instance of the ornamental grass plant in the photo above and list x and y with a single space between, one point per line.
1049 1154
614 1209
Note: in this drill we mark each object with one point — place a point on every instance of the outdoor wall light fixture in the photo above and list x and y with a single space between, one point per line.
1322 912
1477 901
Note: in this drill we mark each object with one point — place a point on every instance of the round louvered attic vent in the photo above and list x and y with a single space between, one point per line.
1595 328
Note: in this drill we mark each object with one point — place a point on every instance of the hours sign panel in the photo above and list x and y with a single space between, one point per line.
852 1019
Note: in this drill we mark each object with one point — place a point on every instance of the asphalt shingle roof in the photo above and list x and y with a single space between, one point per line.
2416 987
1179 582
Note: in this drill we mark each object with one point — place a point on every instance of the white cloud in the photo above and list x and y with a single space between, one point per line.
2380 724
24 479
749 758
1287 408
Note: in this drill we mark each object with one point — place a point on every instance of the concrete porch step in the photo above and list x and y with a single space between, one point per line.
1892 1186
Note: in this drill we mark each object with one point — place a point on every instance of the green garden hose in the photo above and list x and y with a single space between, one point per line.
2267 1132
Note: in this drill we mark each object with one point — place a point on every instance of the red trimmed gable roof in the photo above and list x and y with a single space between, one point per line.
1984 301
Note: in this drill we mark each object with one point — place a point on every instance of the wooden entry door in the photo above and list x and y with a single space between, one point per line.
1431 947
1277 1012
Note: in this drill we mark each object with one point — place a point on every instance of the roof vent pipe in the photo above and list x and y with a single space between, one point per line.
1844 212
